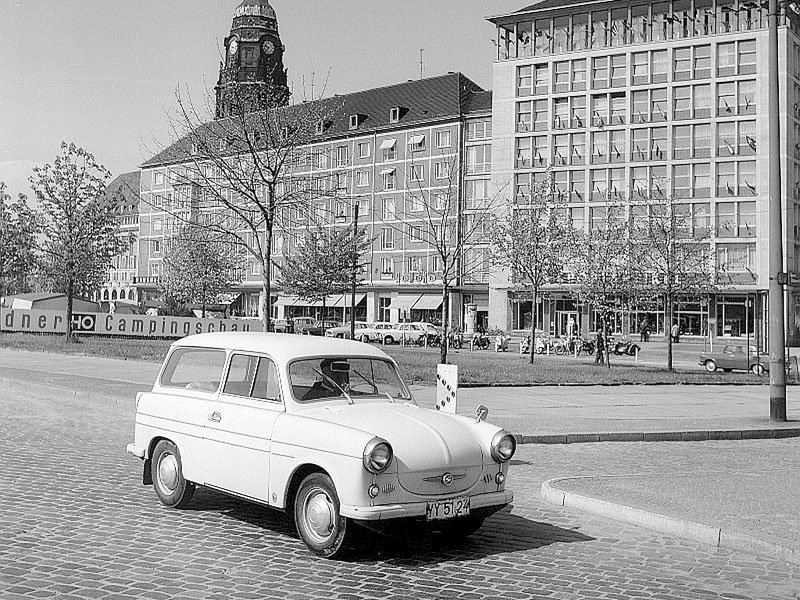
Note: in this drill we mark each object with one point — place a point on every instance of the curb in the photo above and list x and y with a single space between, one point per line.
661 436
726 538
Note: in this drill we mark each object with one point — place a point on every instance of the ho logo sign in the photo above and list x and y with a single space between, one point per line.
83 322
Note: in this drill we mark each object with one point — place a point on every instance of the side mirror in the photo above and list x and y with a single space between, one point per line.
482 413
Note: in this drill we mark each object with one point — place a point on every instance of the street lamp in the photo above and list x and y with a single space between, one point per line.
355 269
777 369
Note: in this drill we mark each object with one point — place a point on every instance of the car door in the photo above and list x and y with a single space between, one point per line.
238 429
728 358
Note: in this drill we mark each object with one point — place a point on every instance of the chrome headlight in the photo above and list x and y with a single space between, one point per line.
377 455
503 446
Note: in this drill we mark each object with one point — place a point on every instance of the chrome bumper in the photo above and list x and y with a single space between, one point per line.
417 509
133 450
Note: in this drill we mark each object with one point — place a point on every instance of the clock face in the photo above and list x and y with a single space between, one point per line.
269 47
233 47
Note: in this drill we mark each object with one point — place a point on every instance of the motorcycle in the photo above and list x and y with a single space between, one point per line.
480 341
455 340
626 347
501 343
584 347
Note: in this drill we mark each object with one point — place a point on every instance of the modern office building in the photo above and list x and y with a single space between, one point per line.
624 99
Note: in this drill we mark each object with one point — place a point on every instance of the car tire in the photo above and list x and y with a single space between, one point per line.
710 365
364 339
758 369
171 487
460 528
316 515
560 350
387 339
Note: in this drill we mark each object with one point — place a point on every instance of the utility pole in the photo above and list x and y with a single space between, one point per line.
777 368
355 269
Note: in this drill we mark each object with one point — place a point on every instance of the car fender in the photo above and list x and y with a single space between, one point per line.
302 442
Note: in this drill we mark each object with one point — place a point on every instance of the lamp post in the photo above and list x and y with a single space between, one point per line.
777 370
355 269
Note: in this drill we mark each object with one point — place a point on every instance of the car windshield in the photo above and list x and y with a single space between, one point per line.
342 377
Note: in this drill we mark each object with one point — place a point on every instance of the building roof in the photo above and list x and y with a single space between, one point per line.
479 102
125 188
544 5
423 101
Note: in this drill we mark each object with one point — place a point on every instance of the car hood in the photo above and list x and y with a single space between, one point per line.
422 439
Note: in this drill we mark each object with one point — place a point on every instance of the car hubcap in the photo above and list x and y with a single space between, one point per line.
168 472
319 515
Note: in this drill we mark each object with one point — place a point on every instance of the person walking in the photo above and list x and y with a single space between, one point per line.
600 348
675 333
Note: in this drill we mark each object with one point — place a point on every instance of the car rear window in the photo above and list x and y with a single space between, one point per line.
194 369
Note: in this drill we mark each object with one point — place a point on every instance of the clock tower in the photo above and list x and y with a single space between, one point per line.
252 76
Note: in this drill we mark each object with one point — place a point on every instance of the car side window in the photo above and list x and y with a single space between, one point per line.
253 377
194 369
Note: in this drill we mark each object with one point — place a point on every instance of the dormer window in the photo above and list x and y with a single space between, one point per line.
355 121
394 114
322 126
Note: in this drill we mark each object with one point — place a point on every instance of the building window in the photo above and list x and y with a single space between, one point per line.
746 97
387 240
747 57
415 233
364 149
577 111
417 173
394 114
640 68
157 224
387 209
441 170
701 180
541 79
682 64
414 264
479 159
442 139
476 193
561 76
524 81
415 204
389 179
726 59
578 75
702 62
363 206
619 70
600 72
417 143
701 140
362 178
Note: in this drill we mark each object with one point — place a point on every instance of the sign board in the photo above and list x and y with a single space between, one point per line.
446 388
54 321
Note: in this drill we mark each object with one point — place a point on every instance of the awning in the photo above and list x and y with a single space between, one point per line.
284 301
428 302
386 144
343 301
416 139
387 171
404 302
228 299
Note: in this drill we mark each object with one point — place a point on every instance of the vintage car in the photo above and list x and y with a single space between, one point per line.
343 331
404 333
736 356
322 428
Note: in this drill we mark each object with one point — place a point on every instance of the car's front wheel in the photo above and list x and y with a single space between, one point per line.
460 528
363 338
389 340
316 514
711 366
167 473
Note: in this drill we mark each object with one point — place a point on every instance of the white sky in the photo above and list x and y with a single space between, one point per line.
103 73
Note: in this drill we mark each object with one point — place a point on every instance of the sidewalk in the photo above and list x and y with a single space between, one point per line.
746 499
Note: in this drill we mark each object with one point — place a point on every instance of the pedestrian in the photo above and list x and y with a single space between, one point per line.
675 333
600 348
643 330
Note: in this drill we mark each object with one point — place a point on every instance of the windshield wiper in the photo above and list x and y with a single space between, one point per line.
373 384
338 387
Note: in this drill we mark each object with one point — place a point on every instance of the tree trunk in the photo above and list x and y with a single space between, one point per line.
266 279
322 320
445 323
70 338
668 328
533 324
607 350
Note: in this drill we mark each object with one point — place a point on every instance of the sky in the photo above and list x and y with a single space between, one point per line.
104 73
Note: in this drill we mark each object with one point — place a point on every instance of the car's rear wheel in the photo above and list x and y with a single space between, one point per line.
387 339
363 338
711 366
460 528
316 514
757 369
167 473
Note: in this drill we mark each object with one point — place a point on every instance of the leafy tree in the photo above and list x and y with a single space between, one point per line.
529 241
671 254
323 264
18 226
601 260
198 267
242 174
81 229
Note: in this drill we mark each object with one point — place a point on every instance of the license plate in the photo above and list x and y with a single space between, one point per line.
447 509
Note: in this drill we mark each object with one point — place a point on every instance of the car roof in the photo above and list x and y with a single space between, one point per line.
281 346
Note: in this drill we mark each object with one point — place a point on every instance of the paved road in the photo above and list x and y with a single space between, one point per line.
75 522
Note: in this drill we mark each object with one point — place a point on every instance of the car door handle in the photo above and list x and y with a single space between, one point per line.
215 416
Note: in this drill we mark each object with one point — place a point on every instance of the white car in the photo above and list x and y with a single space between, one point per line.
397 332
322 428
343 331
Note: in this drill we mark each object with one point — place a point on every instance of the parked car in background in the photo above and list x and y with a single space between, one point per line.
736 357
320 327
280 326
301 323
323 429
343 331
371 332
396 332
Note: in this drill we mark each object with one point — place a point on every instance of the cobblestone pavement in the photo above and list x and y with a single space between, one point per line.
75 522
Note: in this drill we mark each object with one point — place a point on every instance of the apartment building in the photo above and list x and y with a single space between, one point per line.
625 99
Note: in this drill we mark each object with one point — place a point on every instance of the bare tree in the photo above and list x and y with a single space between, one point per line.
248 176
672 254
199 267
18 226
528 239
601 262
455 229
81 228
323 265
